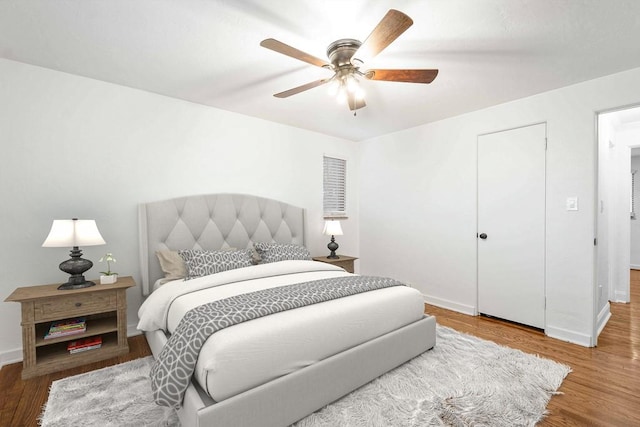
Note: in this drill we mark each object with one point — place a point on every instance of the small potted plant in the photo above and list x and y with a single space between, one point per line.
108 277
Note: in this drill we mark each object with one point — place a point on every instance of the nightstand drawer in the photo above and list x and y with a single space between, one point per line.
74 305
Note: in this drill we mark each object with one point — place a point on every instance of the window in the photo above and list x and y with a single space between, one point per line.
335 187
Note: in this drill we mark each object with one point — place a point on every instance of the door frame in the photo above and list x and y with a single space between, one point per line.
597 323
546 136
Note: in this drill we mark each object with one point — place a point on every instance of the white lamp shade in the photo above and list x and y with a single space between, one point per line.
73 232
332 228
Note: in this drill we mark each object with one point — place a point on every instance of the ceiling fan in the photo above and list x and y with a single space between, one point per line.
347 56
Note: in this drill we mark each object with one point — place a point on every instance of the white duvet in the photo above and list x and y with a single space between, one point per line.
249 354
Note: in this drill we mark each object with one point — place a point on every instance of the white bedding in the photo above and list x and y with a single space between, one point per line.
249 354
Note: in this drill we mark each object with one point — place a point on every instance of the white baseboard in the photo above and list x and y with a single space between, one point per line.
132 331
451 305
635 266
603 317
569 336
11 356
621 296
551 331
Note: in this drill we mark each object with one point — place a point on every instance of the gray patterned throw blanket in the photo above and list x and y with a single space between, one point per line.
172 371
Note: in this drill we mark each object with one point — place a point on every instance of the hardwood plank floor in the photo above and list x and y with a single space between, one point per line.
602 390
22 401
604 387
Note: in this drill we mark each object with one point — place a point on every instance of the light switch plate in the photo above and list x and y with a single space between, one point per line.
572 203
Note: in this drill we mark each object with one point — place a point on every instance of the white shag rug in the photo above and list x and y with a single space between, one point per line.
462 381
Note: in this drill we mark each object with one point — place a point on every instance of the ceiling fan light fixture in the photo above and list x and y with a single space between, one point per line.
342 95
347 86
352 83
334 87
347 56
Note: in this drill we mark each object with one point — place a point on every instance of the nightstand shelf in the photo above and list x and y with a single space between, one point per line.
343 261
95 326
103 306
52 355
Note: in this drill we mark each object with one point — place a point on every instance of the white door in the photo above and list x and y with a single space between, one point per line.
511 224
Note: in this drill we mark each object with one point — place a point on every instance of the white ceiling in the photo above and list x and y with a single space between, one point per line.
487 51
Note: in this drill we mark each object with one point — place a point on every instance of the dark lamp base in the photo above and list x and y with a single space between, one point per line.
76 266
79 285
333 247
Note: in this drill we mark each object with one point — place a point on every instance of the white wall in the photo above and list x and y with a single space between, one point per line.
76 147
418 200
620 224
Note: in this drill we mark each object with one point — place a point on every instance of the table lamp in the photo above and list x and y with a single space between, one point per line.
332 228
74 233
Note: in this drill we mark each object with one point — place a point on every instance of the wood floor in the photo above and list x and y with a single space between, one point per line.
602 390
604 387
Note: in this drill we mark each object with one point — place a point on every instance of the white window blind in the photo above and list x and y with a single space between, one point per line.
335 187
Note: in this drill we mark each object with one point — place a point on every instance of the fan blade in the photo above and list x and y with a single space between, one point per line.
295 90
408 76
285 49
388 29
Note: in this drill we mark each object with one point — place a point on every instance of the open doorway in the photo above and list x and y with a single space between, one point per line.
618 235
635 201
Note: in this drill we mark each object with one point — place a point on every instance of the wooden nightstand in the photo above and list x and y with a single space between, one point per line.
105 309
344 261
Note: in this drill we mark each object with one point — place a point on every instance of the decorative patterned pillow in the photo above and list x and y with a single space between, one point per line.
274 252
201 263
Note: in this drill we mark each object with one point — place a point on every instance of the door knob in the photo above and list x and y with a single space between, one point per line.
483 236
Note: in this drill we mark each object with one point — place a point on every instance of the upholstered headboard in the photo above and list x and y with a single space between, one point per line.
212 221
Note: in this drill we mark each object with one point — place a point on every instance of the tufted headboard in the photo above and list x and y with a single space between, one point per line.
212 221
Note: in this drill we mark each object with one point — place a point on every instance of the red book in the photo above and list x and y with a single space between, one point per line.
85 342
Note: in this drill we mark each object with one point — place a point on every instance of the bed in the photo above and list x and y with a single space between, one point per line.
277 369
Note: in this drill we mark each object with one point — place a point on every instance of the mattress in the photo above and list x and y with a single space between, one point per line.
249 354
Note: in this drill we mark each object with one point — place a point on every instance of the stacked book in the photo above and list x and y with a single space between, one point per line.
62 328
84 344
